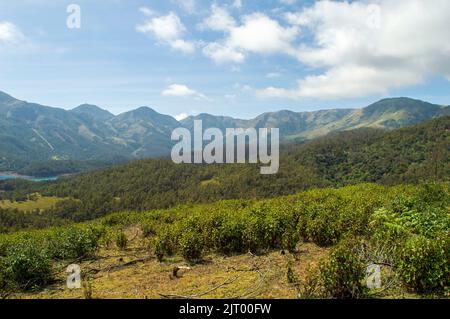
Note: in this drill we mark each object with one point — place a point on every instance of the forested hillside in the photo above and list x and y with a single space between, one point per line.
406 155
40 140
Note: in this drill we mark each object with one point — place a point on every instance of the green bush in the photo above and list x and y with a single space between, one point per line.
28 266
424 264
121 240
74 242
149 228
166 244
191 245
343 273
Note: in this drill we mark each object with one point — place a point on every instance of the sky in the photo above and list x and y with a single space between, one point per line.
237 58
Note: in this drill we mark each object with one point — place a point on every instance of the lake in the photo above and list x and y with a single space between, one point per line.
5 176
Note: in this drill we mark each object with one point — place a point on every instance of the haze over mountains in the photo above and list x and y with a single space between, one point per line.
31 132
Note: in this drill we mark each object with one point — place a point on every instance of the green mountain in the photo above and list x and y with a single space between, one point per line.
93 111
31 133
406 155
385 114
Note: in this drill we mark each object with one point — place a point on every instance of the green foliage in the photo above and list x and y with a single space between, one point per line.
424 264
412 221
74 242
343 273
27 266
191 245
121 240
411 154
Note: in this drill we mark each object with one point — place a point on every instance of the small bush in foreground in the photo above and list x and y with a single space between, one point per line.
424 264
343 273
191 246
27 266
121 240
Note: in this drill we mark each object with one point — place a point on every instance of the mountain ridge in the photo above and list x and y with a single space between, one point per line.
30 132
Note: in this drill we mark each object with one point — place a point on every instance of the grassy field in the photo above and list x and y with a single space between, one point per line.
37 203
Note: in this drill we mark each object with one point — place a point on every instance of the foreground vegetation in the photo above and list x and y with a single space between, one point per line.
404 229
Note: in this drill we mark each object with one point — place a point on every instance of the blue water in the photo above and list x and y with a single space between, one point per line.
28 178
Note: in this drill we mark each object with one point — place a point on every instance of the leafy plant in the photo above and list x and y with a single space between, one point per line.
424 264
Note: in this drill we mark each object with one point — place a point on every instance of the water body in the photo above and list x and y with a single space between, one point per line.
6 176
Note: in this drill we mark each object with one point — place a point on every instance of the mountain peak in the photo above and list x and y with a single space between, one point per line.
93 111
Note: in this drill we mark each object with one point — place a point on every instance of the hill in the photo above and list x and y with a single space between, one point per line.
406 155
36 139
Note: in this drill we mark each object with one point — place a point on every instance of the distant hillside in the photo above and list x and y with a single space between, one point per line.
385 114
406 155
33 135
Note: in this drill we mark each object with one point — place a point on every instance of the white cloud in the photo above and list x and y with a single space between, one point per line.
167 29
237 4
257 33
181 116
181 90
219 20
10 34
221 53
187 5
369 48
147 11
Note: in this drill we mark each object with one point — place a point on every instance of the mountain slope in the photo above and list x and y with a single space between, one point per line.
93 111
405 155
385 114
31 133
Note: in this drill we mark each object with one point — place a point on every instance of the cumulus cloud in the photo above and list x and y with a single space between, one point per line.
181 116
166 29
222 53
181 90
10 34
369 48
219 20
257 33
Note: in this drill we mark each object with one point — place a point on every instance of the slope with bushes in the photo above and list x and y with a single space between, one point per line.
404 229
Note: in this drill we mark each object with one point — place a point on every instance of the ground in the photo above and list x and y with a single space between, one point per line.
39 202
135 273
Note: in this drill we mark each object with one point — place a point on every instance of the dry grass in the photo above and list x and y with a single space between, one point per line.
40 203
135 273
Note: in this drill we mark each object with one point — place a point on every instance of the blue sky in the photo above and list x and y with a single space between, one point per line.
237 58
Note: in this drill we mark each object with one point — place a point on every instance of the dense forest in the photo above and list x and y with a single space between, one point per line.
406 155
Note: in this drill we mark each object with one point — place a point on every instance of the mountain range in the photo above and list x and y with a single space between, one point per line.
31 132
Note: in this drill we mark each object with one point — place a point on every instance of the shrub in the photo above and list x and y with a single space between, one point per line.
323 231
74 242
121 240
424 264
229 236
343 273
28 266
191 245
290 240
148 228
166 243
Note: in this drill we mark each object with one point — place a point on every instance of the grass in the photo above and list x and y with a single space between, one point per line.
39 203
244 275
